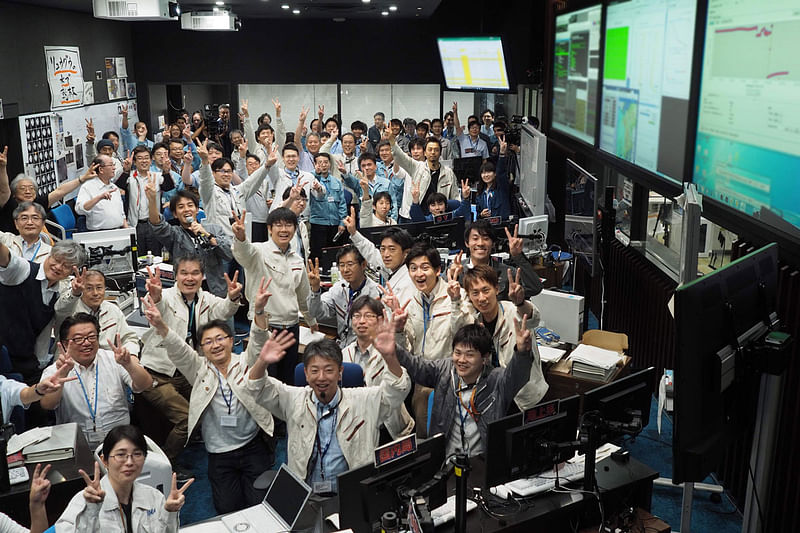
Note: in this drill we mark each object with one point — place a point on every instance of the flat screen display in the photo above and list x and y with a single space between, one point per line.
576 65
647 70
474 63
747 153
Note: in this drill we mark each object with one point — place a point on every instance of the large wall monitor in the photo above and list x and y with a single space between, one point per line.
647 68
474 63
747 153
576 65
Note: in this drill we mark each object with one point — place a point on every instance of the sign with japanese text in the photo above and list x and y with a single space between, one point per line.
65 76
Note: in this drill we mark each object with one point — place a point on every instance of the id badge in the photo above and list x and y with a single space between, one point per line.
331 199
469 151
323 487
228 421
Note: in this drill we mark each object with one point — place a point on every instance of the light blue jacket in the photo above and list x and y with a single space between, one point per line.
328 207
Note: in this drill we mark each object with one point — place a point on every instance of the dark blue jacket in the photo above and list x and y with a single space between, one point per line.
497 199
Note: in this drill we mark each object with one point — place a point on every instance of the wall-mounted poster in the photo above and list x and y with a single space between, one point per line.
65 76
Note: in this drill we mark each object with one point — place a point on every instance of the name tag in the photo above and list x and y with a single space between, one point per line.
469 150
323 487
331 199
228 421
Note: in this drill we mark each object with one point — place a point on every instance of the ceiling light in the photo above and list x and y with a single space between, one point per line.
385 13
419 8
220 3
296 11
392 8
216 10
285 6
366 1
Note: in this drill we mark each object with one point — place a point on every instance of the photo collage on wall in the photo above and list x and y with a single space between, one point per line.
39 137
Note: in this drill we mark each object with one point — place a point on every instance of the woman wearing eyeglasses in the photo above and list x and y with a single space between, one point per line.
116 503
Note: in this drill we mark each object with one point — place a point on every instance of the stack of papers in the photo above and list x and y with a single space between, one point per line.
593 363
17 442
548 354
60 445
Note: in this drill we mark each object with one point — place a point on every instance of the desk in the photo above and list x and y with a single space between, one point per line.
65 481
563 384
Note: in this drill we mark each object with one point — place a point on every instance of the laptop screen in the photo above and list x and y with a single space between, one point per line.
287 495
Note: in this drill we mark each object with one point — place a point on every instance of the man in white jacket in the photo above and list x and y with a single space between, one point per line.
330 429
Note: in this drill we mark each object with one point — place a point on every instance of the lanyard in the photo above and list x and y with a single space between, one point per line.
321 452
468 410
426 317
36 251
189 334
292 175
228 399
92 412
474 145
489 195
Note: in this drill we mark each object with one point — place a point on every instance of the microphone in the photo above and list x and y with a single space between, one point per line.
189 219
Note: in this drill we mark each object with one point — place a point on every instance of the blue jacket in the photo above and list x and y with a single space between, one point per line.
396 187
130 141
463 210
497 199
329 208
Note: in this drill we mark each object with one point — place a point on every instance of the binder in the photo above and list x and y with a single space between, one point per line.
60 445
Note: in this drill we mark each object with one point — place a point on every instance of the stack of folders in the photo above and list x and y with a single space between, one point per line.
593 363
60 445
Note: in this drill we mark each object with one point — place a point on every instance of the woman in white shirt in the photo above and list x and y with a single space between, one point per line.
116 503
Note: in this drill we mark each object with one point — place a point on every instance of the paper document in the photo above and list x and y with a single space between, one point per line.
592 355
32 436
548 354
306 337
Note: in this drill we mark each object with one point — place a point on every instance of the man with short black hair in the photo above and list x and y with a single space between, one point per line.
376 130
391 256
328 207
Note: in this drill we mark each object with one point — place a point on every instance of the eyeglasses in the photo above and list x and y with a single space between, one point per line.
348 265
143 158
283 225
216 340
79 339
122 457
224 171
26 188
365 316
26 218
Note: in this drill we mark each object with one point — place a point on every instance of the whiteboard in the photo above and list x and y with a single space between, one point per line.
466 104
67 133
292 98
362 101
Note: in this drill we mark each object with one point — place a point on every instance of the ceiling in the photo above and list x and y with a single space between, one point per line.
318 9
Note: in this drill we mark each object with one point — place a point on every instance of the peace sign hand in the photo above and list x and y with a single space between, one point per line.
121 354
176 498
514 242
64 363
52 383
40 485
188 157
456 267
90 137
153 284
127 164
244 108
466 190
400 316
516 292
273 156
277 104
151 187
350 221
501 139
93 493
78 281
415 192
321 111
524 339
243 148
341 167
153 315
388 297
313 274
262 295
238 226
303 113
202 151
234 287
453 286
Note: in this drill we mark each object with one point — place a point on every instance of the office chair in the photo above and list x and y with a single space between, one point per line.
352 375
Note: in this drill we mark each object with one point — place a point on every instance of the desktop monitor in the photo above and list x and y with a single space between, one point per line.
371 491
473 63
624 404
580 220
449 234
715 381
468 168
113 252
516 449
533 168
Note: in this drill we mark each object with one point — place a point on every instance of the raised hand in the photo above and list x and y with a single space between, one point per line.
202 151
364 145
350 221
524 342
90 137
78 280
503 144
238 226
455 108
456 267
275 348
514 242
121 354
453 286
277 104
364 182
516 292
415 193
234 287
124 110
153 284
321 112
243 148
244 108
153 315
151 187
400 316
262 295
303 114
90 173
93 493
52 383
127 164
40 485
466 190
384 340
64 363
187 132
188 157
341 167
176 498
313 274
273 156
317 186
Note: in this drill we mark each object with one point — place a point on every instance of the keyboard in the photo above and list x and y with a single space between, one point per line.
447 512
546 480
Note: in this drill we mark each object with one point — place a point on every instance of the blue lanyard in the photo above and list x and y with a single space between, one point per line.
92 412
467 413
473 145
489 195
292 176
228 399
426 317
321 452
36 251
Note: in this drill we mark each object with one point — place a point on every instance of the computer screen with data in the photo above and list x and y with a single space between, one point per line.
576 65
473 63
747 153
647 71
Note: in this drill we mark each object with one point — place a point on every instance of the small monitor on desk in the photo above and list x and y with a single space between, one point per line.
516 450
365 493
623 404
448 234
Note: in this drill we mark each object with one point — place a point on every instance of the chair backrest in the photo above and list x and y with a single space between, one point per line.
352 375
64 218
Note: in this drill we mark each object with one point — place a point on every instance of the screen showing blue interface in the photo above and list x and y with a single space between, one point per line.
747 153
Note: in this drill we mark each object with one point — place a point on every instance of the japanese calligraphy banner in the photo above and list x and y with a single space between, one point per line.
65 76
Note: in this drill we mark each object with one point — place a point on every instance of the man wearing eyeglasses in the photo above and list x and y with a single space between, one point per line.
100 200
30 244
97 401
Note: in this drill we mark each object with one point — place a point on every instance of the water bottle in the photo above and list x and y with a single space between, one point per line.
334 273
165 255
149 258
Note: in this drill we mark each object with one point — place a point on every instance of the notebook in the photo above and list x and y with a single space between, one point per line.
285 499
60 445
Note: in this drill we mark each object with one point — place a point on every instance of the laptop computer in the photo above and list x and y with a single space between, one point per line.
285 499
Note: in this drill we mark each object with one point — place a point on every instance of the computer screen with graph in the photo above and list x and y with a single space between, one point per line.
647 71
747 152
473 63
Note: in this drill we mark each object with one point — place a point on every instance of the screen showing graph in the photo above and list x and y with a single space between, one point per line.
647 72
747 153
474 63
576 65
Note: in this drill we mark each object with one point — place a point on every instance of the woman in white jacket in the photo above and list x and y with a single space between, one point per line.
117 503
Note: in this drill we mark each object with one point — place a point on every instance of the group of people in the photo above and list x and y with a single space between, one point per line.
460 332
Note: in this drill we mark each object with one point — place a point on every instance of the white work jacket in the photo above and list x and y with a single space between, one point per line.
430 339
420 173
112 321
399 280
